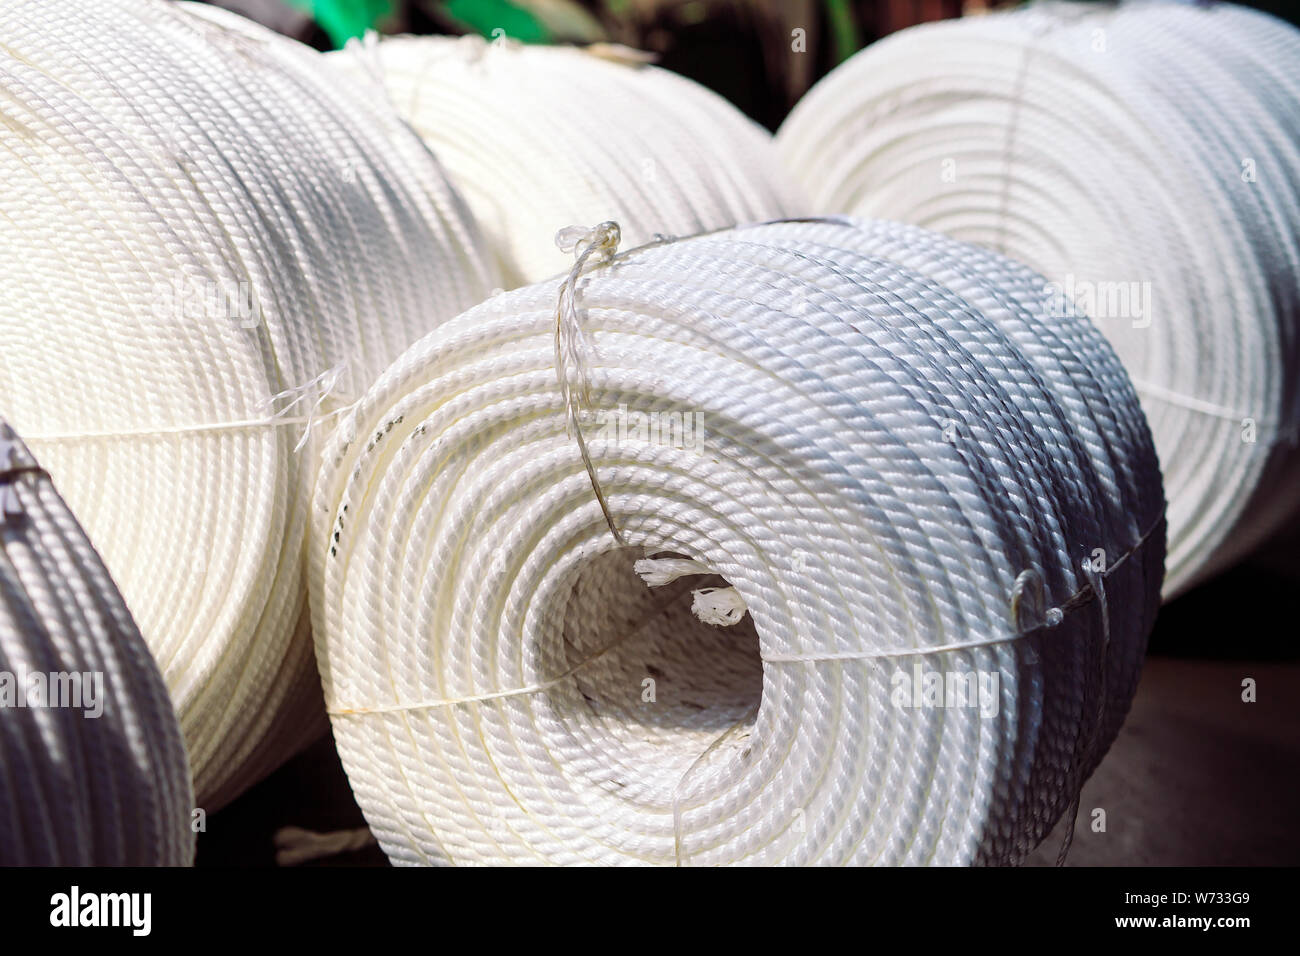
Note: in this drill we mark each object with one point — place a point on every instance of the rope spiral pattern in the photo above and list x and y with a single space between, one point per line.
885 465
207 249
101 779
1145 159
536 138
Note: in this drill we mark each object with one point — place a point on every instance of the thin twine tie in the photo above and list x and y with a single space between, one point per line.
323 386
600 241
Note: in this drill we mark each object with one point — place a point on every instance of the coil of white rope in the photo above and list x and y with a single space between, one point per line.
537 137
208 248
889 467
1145 159
92 767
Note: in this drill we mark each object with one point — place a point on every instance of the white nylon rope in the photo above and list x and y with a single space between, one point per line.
208 247
536 137
101 779
1145 153
898 464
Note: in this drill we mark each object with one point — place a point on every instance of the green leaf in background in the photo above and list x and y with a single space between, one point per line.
844 29
565 21
344 19
488 16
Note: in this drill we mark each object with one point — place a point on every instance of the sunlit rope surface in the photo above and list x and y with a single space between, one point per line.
1146 160
92 768
207 247
537 138
868 431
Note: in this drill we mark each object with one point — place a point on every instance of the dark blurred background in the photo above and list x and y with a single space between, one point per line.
1197 777
739 48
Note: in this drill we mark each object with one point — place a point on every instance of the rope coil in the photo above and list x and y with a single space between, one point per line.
1141 156
82 782
897 446
210 248
533 136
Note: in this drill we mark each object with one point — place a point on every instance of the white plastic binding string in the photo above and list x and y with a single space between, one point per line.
210 248
1142 157
322 387
897 450
92 768
533 136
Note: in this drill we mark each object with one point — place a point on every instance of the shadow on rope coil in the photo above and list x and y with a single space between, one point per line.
92 768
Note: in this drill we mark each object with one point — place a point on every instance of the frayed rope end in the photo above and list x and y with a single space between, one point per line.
722 606
656 572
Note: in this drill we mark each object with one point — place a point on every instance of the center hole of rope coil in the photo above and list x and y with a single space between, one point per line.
668 686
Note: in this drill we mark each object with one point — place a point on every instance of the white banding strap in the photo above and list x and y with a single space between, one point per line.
478 698
1027 622
1273 433
720 606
